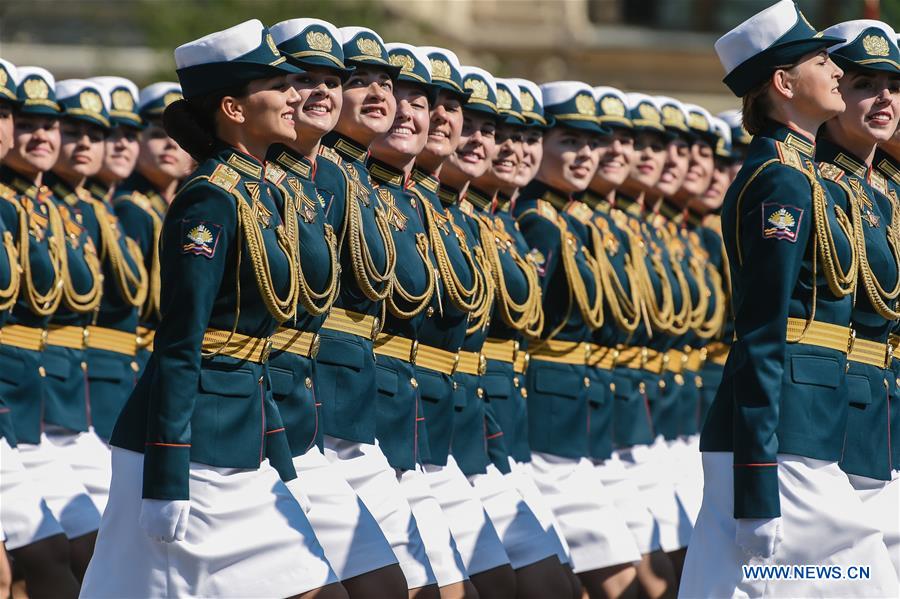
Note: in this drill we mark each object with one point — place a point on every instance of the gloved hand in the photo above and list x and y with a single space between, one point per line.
758 537
165 520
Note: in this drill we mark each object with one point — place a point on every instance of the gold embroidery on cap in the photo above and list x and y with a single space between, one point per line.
122 100
440 68
369 47
479 88
3 76
698 121
37 89
504 99
272 45
649 113
875 45
91 101
585 104
319 40
527 100
171 97
612 106
673 115
404 61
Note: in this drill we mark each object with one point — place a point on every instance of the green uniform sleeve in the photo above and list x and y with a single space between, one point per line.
196 241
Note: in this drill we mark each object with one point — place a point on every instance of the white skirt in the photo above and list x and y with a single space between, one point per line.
652 470
347 531
440 545
365 468
246 537
476 538
823 523
522 480
90 459
525 540
25 515
630 502
881 499
689 485
595 530
61 487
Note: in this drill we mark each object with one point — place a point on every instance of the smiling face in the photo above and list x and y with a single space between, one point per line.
649 158
615 153
570 159
700 169
81 150
712 198
319 107
872 114
6 128
532 155
369 105
410 131
675 167
161 160
268 112
35 144
120 156
477 146
507 160
445 128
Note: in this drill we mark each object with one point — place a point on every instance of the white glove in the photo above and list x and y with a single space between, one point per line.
165 520
758 537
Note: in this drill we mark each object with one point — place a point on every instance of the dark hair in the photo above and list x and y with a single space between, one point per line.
756 105
192 123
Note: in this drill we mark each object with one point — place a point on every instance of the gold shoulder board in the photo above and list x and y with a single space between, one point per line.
830 171
7 192
580 211
274 174
330 153
789 155
878 182
225 177
546 209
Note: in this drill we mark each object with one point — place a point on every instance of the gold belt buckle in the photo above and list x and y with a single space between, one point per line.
267 349
376 328
413 352
515 353
482 364
851 342
888 355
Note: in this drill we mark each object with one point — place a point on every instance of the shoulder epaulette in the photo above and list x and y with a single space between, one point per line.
890 169
274 173
225 177
580 211
7 192
546 209
878 182
331 154
788 155
830 171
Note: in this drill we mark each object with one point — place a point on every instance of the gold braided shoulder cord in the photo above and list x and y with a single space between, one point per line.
419 302
681 321
75 301
41 304
659 316
712 326
528 312
133 286
480 317
592 312
150 308
10 293
877 295
624 307
697 258
465 299
364 268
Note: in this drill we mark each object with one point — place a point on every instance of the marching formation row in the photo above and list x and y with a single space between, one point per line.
333 317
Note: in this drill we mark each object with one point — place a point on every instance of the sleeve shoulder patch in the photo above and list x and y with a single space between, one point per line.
830 171
274 173
781 221
225 177
199 237
789 156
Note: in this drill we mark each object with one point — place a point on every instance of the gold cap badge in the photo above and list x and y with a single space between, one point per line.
504 99
698 121
3 76
585 105
440 68
527 100
612 106
649 113
479 88
369 47
122 100
319 40
671 114
404 61
91 102
37 89
875 45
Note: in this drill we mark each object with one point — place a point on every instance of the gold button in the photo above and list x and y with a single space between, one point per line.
314 346
135 367
523 392
376 328
84 366
42 371
698 381
662 384
412 202
679 380
308 383
429 312
516 382
587 382
642 388
455 385
414 383
259 382
612 387
886 384
480 392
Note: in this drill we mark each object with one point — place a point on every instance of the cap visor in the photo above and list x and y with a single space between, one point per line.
881 66
85 119
589 126
377 63
320 62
